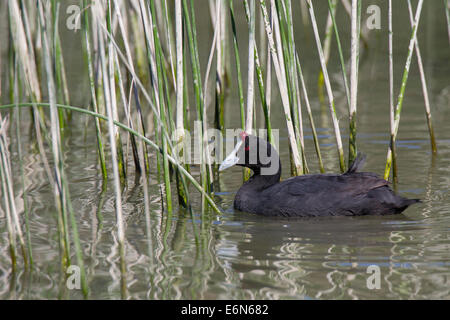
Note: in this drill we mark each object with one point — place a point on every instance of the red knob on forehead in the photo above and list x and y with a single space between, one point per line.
243 134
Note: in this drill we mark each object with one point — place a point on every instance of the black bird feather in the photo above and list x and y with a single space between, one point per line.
350 194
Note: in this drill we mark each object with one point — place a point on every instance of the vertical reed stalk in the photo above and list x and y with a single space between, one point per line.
391 91
141 125
179 88
293 80
125 98
402 89
159 60
268 95
279 71
137 134
23 47
259 76
447 15
328 86
156 112
220 70
310 116
112 141
251 68
341 55
206 153
277 9
169 37
58 188
262 39
151 61
348 9
329 29
304 12
424 85
126 101
87 32
112 86
60 72
238 66
179 72
195 64
328 36
262 94
355 32
250 75
61 190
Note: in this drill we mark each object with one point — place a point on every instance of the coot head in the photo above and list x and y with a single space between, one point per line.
254 153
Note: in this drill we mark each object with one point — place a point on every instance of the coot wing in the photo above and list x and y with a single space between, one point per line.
320 195
351 184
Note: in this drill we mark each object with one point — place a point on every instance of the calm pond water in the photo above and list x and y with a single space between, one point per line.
242 256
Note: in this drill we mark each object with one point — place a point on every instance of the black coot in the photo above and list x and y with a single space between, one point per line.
350 194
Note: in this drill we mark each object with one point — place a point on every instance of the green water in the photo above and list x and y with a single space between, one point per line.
237 255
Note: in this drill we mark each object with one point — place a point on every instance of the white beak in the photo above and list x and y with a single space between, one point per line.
231 159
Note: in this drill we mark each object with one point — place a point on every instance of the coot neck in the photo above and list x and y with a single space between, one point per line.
261 181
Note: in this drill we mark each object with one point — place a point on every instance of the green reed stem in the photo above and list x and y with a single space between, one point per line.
402 89
341 55
310 116
355 35
141 122
60 74
179 134
424 85
58 190
157 47
100 148
332 6
112 139
189 19
329 90
238 66
391 92
221 47
285 51
280 74
113 97
161 125
291 58
134 132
